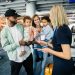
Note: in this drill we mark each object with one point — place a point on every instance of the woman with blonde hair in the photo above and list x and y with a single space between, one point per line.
61 42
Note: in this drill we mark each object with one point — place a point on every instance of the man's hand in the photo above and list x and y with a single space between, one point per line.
28 43
22 42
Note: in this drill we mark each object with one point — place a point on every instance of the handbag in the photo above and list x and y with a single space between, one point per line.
48 69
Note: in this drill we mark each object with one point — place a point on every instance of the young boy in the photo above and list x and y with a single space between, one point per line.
46 35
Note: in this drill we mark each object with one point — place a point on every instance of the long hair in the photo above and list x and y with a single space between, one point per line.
58 16
33 24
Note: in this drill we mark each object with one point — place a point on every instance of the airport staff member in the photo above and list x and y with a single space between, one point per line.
62 62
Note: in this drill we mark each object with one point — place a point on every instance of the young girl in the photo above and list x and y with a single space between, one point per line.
28 34
28 29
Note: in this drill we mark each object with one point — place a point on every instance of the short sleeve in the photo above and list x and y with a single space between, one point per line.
63 36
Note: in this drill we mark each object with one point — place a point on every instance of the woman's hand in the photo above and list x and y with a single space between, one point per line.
41 42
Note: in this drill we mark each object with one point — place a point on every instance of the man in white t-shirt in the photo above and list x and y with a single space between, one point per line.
11 40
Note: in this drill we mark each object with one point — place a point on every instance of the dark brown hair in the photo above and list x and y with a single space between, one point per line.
46 18
26 17
33 24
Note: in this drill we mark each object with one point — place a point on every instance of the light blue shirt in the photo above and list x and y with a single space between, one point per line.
48 32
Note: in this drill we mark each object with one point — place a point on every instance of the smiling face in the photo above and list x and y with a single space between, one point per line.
36 20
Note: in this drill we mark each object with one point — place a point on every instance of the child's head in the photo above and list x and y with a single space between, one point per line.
45 20
27 21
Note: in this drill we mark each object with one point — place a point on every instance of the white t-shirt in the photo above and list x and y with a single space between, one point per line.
17 36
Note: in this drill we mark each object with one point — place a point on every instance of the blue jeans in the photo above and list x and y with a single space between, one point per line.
39 54
35 64
36 54
43 65
34 61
